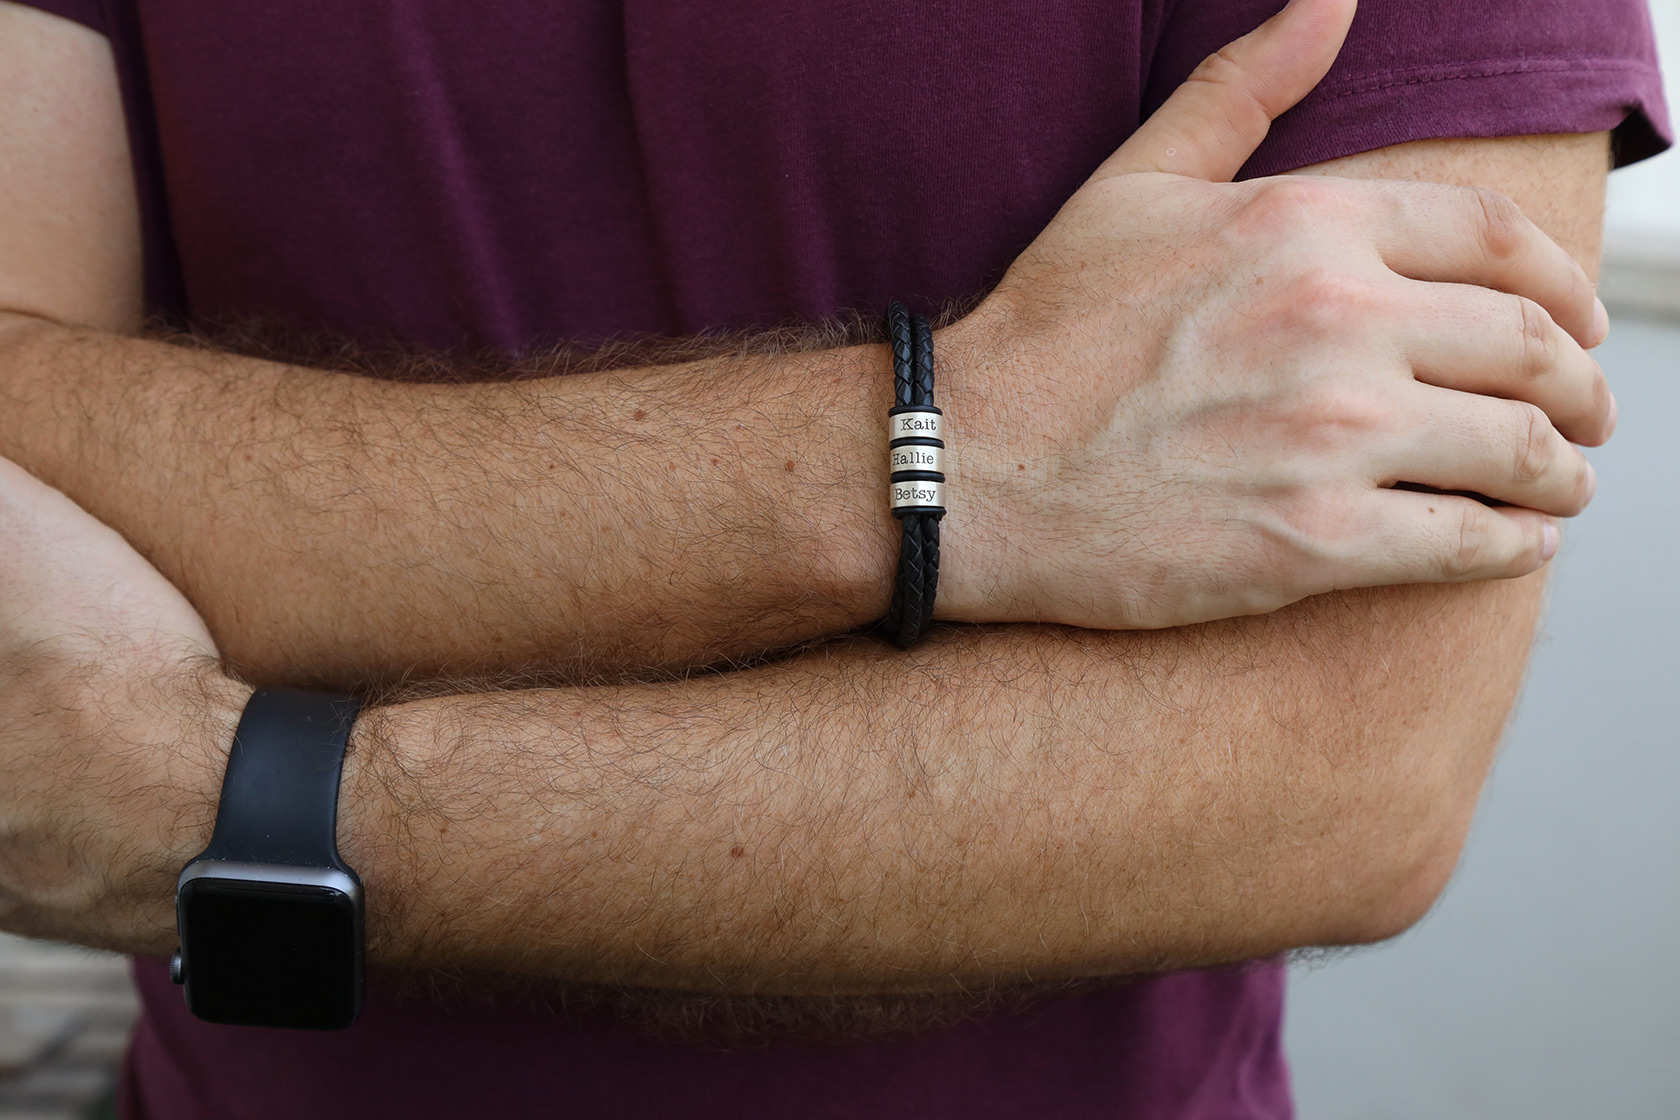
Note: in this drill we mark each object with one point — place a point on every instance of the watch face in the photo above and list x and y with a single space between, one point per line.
270 954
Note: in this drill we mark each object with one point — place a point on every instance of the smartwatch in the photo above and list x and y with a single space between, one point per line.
270 918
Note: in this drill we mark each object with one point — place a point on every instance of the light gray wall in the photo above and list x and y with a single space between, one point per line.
1546 984
1645 198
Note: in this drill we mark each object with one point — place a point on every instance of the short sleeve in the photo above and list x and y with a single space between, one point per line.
88 13
1430 69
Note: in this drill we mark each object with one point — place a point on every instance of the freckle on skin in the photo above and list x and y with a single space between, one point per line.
1020 466
1431 509
788 466
737 851
639 415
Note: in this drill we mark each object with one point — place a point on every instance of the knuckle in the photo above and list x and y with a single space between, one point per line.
1600 395
1318 537
1324 301
1532 450
1223 68
1467 555
1320 521
1538 338
1341 409
1500 223
1287 202
1585 483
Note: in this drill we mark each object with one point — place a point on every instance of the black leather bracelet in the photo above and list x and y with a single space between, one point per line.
917 450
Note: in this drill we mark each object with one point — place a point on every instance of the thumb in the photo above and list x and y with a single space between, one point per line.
1213 122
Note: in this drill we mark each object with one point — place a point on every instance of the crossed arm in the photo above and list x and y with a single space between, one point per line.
1008 802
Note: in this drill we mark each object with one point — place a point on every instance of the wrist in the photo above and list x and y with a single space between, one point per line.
203 709
976 582
102 870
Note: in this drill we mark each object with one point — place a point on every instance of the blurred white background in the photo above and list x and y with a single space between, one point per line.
1546 984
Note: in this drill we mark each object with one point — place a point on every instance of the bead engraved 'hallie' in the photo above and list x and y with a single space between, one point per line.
918 423
929 457
918 495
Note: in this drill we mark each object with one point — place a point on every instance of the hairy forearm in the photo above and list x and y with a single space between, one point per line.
1003 805
1007 804
341 530
336 529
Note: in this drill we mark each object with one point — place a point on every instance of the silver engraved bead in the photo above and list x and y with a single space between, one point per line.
918 495
917 457
925 424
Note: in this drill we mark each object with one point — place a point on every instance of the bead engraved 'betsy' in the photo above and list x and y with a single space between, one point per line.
927 457
918 495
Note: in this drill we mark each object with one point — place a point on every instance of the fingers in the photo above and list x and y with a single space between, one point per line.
1443 538
1467 235
1213 122
1479 341
1506 450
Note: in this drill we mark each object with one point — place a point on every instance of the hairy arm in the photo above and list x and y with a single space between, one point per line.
332 526
340 529
1002 804
1007 806
329 525
1006 803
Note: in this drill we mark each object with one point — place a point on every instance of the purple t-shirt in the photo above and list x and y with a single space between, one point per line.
449 174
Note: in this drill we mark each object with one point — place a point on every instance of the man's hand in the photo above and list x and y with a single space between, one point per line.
114 721
1195 399
1187 400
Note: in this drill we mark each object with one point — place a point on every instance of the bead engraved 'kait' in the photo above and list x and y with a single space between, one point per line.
918 495
918 457
906 424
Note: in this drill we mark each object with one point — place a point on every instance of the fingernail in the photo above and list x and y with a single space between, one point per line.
1601 321
1610 424
1549 541
1592 482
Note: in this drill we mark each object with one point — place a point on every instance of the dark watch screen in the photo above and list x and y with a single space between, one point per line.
266 954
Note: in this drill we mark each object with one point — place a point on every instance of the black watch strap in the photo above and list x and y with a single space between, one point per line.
280 794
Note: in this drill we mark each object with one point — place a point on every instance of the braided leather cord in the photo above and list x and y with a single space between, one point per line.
917 583
930 569
905 613
921 362
898 337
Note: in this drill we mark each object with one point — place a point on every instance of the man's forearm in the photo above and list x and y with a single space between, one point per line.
1099 802
331 527
1003 805
1147 435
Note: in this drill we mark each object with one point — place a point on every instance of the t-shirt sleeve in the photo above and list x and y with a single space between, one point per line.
88 13
1429 69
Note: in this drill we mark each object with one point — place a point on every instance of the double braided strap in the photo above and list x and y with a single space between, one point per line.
917 451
